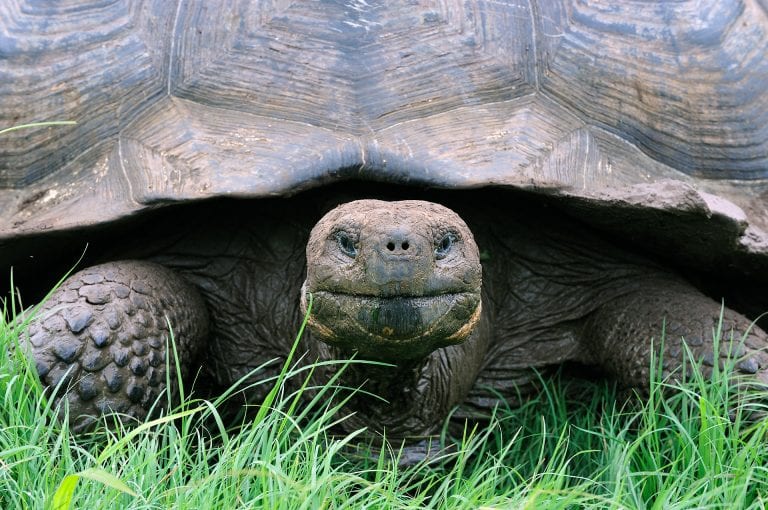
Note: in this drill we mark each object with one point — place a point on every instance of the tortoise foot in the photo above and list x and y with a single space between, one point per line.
101 341
676 324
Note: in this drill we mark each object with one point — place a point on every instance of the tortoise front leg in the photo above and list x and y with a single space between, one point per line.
102 337
622 334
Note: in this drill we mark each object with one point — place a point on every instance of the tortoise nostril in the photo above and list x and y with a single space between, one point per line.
398 242
391 246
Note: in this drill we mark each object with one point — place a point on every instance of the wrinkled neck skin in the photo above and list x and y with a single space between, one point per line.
416 396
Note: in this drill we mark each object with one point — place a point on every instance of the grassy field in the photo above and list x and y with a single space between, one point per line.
572 447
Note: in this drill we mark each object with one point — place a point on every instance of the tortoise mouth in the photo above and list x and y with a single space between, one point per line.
393 327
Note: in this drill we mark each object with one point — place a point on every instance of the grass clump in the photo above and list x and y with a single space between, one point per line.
572 446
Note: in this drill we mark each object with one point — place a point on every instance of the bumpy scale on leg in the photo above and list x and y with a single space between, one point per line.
102 337
620 334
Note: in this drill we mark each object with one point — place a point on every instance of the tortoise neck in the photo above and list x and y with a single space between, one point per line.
401 399
410 398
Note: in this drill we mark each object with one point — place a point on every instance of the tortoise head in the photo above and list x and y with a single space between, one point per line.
392 280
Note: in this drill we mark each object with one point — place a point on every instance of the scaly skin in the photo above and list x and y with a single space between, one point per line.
551 292
625 333
402 287
102 337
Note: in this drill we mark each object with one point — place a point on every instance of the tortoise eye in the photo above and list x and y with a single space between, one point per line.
444 245
346 244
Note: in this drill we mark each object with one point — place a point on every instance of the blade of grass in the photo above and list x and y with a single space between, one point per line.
38 124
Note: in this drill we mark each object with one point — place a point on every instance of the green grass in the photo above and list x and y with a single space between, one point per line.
571 447
37 125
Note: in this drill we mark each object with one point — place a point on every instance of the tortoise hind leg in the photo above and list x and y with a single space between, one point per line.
619 334
101 337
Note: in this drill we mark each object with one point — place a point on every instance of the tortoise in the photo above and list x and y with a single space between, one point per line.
469 192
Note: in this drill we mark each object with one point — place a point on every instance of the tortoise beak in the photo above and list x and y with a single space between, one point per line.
392 328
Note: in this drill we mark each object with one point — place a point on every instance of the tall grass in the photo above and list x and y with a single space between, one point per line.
572 446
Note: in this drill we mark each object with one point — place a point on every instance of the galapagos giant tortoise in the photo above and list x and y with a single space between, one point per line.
607 162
